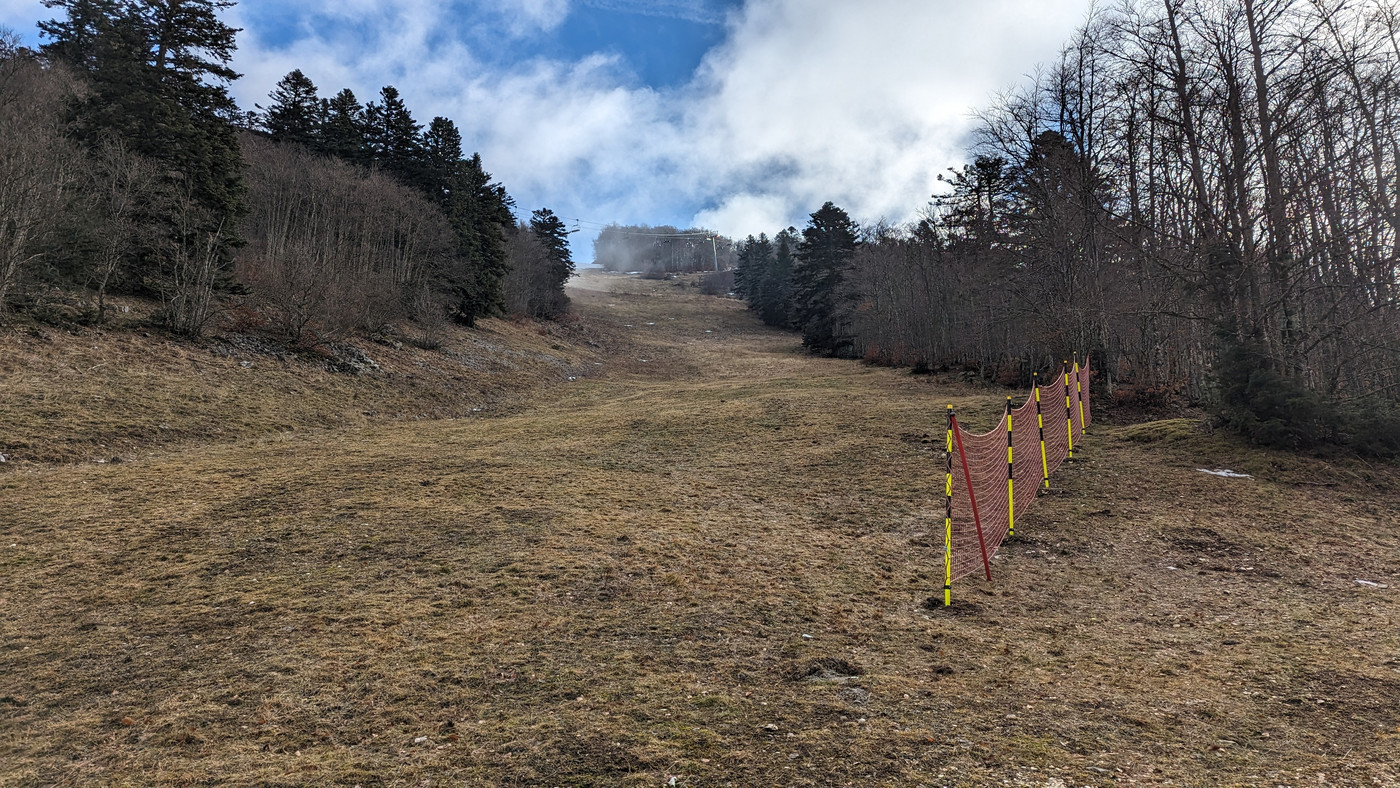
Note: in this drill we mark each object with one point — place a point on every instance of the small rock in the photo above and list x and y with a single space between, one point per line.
246 364
420 739
770 727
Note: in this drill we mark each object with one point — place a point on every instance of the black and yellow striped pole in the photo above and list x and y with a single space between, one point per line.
1079 392
948 518
1040 425
1010 477
1069 411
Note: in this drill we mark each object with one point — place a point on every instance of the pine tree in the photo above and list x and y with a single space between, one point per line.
550 231
480 213
158 75
343 133
554 235
754 261
296 114
442 159
73 38
394 137
828 243
773 296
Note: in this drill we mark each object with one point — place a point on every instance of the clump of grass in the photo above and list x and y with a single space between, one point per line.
1166 430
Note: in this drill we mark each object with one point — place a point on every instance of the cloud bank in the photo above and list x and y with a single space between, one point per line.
804 101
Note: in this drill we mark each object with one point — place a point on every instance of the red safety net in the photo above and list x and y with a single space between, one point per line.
981 516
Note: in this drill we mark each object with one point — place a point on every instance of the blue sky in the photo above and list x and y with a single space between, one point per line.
739 115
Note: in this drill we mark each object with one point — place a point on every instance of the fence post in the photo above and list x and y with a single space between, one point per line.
1079 391
1010 477
1069 411
948 517
1040 426
972 498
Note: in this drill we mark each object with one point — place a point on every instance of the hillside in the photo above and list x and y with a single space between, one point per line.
667 545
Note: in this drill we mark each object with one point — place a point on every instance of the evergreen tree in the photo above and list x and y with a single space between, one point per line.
394 137
754 261
158 75
828 243
551 232
773 292
442 159
73 38
343 133
296 113
480 213
980 200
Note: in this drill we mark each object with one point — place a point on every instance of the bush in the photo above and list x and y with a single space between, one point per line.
1275 409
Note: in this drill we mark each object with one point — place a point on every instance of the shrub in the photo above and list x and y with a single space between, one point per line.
1272 408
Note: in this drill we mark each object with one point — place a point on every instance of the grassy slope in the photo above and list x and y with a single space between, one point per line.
709 562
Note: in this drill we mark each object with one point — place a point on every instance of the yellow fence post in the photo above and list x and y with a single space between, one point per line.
1040 426
1010 477
948 518
1069 412
1079 392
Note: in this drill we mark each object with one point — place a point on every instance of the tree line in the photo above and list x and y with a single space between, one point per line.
1202 194
125 166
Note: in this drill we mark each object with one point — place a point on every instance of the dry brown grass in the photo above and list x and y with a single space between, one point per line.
87 395
709 562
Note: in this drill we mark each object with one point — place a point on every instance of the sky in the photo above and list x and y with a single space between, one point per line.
741 116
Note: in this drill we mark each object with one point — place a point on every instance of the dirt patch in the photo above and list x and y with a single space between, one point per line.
822 669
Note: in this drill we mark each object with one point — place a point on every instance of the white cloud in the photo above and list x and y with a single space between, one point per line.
863 103
523 17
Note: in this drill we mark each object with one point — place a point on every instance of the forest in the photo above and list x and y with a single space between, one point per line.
126 167
1200 194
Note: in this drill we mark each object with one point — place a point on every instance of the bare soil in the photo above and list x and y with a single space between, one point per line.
707 557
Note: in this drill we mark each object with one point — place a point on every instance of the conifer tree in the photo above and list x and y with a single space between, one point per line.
773 291
343 133
394 137
551 232
296 113
158 72
828 243
548 298
73 38
480 213
754 261
442 159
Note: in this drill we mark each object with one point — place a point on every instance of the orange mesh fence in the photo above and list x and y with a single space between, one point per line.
985 528
1053 415
1027 455
1084 388
993 473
